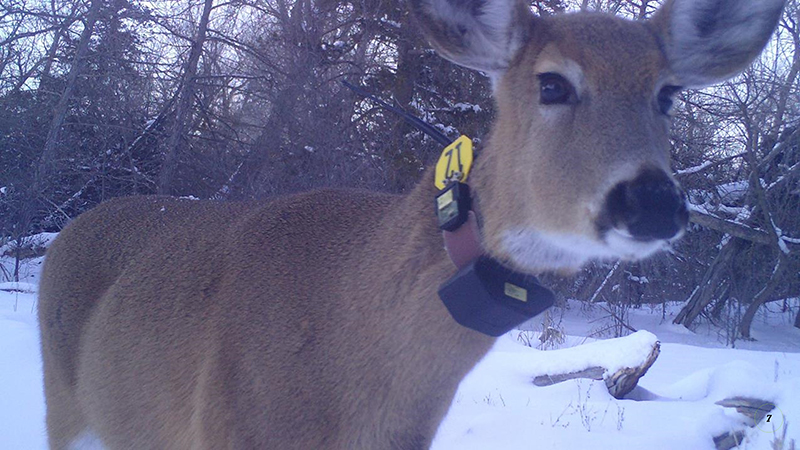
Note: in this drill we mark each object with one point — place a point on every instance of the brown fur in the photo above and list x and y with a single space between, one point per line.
212 325
312 321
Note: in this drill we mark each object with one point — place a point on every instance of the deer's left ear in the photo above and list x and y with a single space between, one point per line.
708 41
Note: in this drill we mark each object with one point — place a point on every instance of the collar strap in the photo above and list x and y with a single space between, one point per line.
463 245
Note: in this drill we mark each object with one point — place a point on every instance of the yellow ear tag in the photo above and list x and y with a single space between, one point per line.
456 159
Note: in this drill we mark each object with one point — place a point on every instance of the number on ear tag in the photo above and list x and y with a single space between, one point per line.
456 159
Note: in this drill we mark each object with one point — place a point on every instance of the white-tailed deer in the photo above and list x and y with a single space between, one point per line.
312 321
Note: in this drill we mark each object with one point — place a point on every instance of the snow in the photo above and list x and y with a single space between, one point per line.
779 232
734 191
390 22
29 271
36 240
699 208
22 405
635 279
782 245
446 129
742 215
463 107
498 407
695 169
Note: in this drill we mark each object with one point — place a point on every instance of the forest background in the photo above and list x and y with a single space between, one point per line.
241 99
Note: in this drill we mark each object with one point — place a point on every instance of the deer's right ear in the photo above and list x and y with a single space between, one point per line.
480 34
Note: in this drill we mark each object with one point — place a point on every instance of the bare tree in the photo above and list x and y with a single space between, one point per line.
60 110
183 111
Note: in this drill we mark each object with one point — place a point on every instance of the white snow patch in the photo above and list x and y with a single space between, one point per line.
446 129
463 107
734 191
21 393
390 22
695 169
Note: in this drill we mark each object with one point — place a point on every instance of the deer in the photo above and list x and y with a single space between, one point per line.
312 321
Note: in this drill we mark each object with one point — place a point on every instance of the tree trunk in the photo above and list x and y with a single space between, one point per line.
708 286
183 108
762 297
761 197
797 319
408 70
257 175
51 55
17 258
641 14
786 88
60 110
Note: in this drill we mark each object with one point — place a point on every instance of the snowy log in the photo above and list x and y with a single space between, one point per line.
621 382
734 229
752 408
600 361
738 230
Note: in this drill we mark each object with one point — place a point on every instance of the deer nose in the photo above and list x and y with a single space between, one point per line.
650 207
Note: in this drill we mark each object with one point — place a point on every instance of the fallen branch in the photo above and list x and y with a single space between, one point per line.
736 230
619 383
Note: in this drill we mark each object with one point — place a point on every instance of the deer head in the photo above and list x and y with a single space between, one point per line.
577 164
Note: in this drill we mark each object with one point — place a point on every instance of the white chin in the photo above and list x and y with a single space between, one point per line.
537 251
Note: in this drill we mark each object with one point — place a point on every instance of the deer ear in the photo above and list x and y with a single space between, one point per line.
708 41
480 34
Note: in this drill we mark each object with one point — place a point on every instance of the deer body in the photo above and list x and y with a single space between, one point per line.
312 321
260 374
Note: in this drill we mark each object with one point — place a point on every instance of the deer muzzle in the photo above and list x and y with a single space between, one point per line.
650 207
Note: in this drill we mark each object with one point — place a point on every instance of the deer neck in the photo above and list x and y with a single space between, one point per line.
479 292
407 263
415 220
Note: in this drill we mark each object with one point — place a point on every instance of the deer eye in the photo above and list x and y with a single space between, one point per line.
554 89
666 98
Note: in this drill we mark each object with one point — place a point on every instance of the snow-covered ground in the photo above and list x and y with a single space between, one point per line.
21 396
497 405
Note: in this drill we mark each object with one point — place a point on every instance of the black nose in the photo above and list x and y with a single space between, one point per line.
650 207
